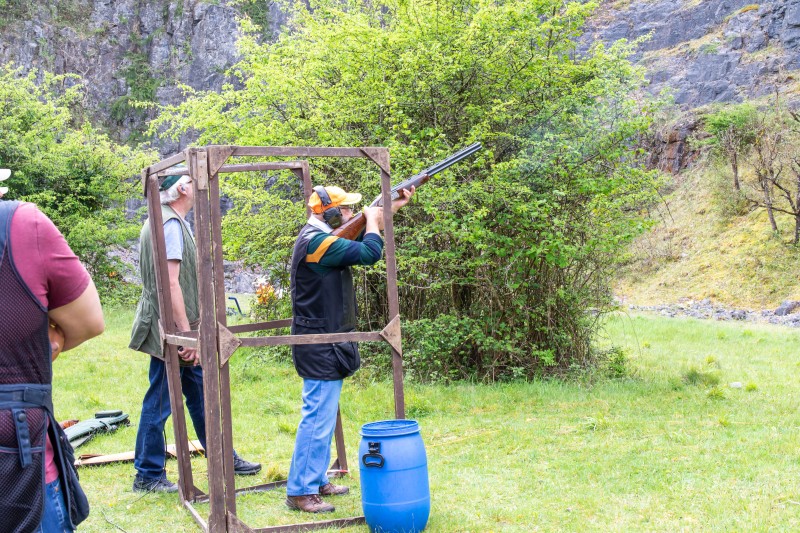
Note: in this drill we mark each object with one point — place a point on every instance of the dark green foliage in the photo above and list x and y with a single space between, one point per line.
61 12
500 258
74 173
118 292
142 85
11 10
258 13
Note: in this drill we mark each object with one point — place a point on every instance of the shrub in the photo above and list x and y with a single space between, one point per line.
71 171
616 363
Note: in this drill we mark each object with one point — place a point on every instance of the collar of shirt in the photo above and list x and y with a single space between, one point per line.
317 223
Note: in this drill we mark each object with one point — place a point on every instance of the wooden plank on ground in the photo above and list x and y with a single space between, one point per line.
90 459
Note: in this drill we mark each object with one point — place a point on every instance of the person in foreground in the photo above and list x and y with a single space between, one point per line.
48 305
177 199
323 301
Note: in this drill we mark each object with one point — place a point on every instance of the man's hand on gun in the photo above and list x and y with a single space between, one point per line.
405 197
374 214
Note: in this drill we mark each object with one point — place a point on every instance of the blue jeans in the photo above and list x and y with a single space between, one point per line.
55 518
312 447
150 455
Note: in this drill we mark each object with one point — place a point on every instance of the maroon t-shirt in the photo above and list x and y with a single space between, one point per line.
43 258
52 272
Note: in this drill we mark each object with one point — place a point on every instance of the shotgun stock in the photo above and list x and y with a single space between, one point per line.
353 227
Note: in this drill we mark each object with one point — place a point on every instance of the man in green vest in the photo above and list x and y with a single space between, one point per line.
177 199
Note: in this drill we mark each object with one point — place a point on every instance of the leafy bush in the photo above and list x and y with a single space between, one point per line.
118 292
269 304
733 133
616 362
74 173
499 259
761 140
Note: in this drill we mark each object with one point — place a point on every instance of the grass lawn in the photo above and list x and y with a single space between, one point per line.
672 447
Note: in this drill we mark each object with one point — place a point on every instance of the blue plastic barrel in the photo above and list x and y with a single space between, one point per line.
394 477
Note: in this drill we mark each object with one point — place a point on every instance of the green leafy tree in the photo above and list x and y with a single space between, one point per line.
500 259
734 133
73 172
762 139
776 188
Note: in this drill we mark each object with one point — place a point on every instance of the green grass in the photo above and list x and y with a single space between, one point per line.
665 449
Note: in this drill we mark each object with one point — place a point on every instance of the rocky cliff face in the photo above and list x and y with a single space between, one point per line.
127 50
705 52
700 51
710 50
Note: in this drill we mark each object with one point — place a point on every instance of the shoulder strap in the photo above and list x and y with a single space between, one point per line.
7 209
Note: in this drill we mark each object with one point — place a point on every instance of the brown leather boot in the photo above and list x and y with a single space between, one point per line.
310 503
333 490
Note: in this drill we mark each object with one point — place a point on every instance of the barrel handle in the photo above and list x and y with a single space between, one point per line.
374 453
377 456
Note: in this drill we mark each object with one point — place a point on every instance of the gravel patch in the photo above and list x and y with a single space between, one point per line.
784 315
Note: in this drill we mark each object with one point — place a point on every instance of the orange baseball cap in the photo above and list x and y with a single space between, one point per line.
338 197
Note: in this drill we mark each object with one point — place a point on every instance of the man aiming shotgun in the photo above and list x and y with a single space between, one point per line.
353 227
324 301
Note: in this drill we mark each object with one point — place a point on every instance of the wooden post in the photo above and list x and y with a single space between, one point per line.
338 434
224 371
207 339
391 287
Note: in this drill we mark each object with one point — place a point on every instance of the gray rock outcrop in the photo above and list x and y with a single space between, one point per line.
785 315
710 51
127 49
700 53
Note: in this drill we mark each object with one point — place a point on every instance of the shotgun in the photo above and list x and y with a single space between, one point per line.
353 227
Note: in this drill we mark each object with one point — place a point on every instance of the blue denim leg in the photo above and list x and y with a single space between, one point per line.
312 448
150 455
55 518
192 385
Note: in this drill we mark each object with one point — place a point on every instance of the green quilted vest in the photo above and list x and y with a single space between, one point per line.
144 336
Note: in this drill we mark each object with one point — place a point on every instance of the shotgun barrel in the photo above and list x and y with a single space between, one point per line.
421 177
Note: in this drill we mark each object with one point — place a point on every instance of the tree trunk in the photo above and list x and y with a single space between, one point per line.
796 228
796 208
735 168
768 205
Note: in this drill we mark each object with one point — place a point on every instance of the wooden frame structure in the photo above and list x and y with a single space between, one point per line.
216 342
